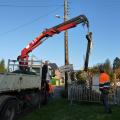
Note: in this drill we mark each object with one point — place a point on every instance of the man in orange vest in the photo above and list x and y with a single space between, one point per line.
104 86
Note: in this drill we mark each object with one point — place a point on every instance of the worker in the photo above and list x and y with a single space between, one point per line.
44 71
44 75
104 86
51 90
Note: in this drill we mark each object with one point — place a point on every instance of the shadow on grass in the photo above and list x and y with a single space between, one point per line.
61 109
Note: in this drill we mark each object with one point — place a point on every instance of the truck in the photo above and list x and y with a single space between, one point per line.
21 86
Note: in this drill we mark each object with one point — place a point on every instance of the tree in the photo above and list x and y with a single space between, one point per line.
116 67
116 63
107 66
81 77
95 69
2 66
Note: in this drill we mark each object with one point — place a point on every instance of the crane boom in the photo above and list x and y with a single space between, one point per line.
49 33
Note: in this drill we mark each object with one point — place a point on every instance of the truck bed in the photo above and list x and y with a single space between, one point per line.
18 82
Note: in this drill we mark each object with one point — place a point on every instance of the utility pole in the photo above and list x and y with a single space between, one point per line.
66 42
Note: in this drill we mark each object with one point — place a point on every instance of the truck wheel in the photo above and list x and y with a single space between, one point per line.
9 110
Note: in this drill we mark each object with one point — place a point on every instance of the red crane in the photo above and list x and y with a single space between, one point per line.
23 57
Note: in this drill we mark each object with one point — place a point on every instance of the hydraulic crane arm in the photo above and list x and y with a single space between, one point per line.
54 30
50 32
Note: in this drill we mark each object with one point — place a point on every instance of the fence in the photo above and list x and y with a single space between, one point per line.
83 93
117 95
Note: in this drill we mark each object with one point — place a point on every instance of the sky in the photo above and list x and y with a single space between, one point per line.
23 20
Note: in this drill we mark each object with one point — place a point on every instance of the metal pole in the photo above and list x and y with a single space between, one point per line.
66 42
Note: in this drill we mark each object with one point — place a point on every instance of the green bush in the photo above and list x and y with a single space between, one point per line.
81 82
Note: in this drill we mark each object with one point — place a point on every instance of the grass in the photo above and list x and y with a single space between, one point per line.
62 110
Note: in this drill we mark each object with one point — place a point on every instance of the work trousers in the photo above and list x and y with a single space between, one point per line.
105 101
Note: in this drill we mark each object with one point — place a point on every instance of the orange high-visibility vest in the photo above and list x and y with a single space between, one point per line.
104 81
51 88
104 78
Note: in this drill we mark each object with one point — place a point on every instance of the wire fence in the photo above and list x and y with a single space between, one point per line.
84 93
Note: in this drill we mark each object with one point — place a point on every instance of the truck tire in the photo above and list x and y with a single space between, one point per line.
9 110
35 99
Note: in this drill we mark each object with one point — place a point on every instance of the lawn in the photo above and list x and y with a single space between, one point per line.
62 110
